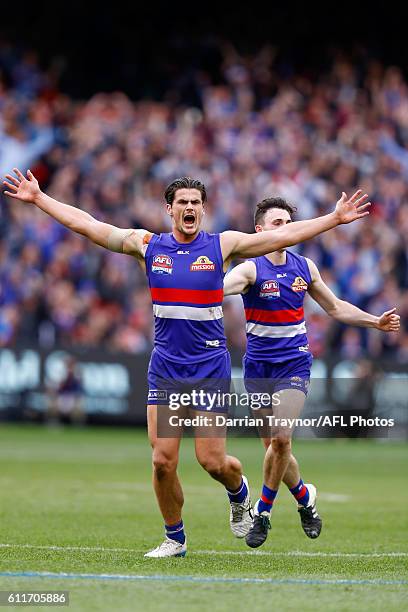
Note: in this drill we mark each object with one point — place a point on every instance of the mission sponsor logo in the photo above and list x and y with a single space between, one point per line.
202 264
299 284
269 290
162 264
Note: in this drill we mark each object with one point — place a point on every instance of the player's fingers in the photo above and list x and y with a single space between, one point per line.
390 312
10 186
19 174
356 195
363 206
361 200
31 175
363 214
12 179
11 195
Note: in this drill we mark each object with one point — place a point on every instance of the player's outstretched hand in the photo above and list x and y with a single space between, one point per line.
389 321
351 209
20 187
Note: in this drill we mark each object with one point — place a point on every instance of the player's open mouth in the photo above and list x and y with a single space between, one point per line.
189 220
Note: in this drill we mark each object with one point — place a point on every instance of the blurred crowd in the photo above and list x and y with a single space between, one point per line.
252 134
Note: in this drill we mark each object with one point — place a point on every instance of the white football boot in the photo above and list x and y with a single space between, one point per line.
168 548
241 515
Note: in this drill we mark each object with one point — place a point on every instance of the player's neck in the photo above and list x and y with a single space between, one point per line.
184 238
277 258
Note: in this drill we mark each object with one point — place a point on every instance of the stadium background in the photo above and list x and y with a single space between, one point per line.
107 106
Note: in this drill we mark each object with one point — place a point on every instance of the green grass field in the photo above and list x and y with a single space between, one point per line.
80 502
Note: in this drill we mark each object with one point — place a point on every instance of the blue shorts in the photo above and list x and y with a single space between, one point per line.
167 378
267 377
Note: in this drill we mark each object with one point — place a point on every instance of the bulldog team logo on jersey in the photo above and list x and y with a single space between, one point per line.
299 284
202 264
162 264
269 290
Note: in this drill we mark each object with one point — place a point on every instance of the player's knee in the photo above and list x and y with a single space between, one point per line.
213 465
163 464
281 443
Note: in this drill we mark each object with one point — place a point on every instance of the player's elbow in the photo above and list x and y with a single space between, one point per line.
82 226
335 310
96 232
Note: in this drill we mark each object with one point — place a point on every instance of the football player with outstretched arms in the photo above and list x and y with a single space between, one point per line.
278 359
185 269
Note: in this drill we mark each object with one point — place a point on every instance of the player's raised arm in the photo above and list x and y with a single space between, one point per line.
240 278
239 244
27 189
344 311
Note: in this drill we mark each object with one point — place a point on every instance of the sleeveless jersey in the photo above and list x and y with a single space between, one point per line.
186 286
276 328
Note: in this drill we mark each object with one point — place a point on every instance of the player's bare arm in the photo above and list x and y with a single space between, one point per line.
240 278
344 311
26 189
239 244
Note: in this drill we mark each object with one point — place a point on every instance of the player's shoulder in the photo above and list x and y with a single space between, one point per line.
311 267
210 235
296 257
209 238
161 237
249 268
302 264
251 261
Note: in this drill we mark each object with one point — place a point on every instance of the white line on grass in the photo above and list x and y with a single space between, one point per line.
293 553
204 579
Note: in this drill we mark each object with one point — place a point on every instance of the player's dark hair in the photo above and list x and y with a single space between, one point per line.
267 203
185 182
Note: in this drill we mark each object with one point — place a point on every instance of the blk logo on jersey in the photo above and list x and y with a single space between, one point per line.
299 284
162 264
269 290
202 264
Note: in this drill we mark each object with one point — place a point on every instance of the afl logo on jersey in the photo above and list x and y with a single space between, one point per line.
162 264
202 264
269 290
299 284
